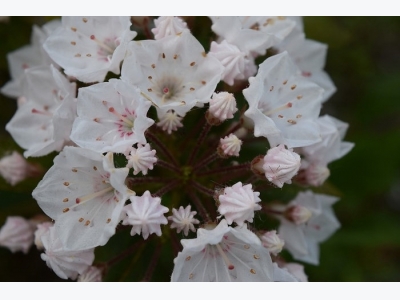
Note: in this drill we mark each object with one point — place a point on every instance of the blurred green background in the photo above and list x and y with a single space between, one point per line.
364 62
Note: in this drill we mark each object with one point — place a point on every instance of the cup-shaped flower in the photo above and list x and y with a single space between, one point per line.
283 104
303 240
111 117
88 47
85 194
43 124
173 72
28 56
223 254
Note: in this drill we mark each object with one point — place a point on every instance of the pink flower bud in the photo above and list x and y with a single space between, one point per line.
14 168
280 165
223 106
229 146
16 234
272 242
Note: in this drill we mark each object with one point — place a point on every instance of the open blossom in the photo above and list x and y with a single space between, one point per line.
16 234
238 203
141 159
145 214
111 117
84 193
88 47
173 72
223 254
280 165
29 56
310 57
183 219
252 34
43 124
65 263
283 105
166 26
302 239
14 168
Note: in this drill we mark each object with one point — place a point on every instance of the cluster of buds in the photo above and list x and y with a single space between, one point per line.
160 139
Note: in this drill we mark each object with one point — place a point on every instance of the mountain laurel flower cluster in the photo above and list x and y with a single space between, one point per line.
170 156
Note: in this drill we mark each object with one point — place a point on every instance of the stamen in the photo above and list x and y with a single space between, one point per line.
93 195
287 105
225 258
102 45
124 119
46 113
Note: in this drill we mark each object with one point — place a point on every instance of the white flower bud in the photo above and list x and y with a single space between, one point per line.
316 174
223 105
280 165
229 146
272 242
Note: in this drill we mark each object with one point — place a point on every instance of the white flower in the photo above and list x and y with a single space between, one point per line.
223 105
111 117
169 121
14 168
238 203
282 274
173 72
145 214
331 147
141 159
280 165
91 274
85 194
272 242
88 47
283 104
223 254
65 263
183 219
303 240
29 56
310 57
166 26
231 58
16 234
43 124
253 33
229 146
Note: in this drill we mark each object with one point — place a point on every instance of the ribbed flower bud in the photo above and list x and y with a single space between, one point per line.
223 106
272 242
280 165
229 146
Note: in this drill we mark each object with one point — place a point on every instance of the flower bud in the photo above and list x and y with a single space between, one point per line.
229 146
16 234
223 106
298 214
280 165
257 165
272 242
